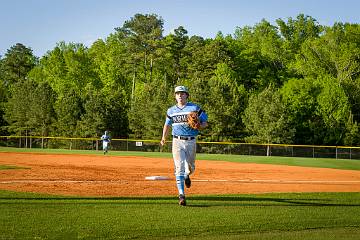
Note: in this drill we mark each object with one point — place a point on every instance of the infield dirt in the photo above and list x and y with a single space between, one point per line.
94 175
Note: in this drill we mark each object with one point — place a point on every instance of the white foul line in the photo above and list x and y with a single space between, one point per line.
270 181
62 181
279 181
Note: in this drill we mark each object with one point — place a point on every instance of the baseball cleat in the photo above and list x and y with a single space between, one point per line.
188 182
182 201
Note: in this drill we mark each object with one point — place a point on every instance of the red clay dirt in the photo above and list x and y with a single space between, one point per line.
94 175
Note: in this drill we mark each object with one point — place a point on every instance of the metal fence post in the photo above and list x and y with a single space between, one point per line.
336 152
313 152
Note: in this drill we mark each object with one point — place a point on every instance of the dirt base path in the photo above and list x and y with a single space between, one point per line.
90 175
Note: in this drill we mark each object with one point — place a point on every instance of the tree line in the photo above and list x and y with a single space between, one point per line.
295 82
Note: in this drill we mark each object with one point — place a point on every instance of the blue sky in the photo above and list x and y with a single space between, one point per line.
40 24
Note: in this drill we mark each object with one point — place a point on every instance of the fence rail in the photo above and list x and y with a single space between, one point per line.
311 151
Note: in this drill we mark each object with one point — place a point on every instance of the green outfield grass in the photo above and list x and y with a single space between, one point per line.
269 216
4 167
291 161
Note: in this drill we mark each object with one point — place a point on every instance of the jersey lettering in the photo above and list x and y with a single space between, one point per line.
179 118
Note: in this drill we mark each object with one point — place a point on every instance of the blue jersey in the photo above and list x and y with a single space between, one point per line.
105 138
177 118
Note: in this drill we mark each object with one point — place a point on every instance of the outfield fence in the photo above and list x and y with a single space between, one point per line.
311 151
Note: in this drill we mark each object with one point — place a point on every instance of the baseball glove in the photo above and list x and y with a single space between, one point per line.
193 120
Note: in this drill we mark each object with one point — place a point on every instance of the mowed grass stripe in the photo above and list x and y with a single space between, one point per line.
345 164
291 216
8 167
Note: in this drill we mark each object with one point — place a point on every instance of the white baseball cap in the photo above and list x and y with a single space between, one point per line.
181 89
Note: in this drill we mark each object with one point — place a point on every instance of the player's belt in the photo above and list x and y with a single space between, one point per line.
183 137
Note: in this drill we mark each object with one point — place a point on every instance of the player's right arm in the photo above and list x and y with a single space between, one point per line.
166 130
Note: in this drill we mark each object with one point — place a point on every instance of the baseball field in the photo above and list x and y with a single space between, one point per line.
62 194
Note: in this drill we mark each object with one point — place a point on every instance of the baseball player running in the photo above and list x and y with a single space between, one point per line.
106 141
184 137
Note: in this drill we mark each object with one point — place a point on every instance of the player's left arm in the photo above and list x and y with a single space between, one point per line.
203 125
203 119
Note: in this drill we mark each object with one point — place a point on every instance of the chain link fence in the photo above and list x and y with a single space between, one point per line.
311 151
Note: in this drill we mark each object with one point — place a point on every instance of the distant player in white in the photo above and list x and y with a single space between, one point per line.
184 138
106 141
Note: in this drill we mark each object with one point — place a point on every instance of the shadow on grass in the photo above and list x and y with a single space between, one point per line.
271 201
194 201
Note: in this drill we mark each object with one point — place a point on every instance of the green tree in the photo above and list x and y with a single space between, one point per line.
17 111
336 53
352 135
299 97
92 123
14 67
110 64
266 120
115 71
16 64
147 116
195 66
225 104
174 44
68 108
142 34
41 110
29 110
116 114
68 66
202 60
3 100
334 109
320 111
297 31
259 56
